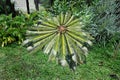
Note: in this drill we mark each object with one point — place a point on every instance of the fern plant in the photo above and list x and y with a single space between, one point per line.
58 37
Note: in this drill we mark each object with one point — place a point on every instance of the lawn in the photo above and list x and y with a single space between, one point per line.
17 64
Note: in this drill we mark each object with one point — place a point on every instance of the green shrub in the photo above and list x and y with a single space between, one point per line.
105 25
12 29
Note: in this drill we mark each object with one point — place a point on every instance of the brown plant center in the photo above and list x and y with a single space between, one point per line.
61 29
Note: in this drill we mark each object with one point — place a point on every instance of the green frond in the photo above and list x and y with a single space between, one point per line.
61 18
51 21
41 28
40 37
69 46
49 46
63 45
66 18
55 20
73 35
40 32
47 24
73 22
74 40
40 44
57 45
68 22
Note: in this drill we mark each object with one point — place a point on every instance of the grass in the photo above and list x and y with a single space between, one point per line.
17 64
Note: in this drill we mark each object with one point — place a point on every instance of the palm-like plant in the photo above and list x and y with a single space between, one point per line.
58 36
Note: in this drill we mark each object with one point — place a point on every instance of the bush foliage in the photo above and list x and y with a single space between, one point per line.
13 29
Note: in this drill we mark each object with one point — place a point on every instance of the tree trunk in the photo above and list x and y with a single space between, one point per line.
27 4
88 2
36 4
51 2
